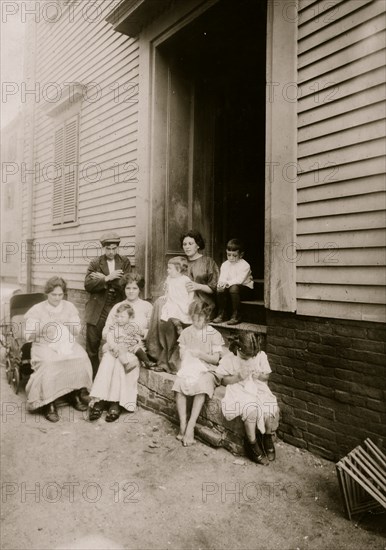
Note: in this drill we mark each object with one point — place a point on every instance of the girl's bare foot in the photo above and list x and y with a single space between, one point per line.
182 431
188 438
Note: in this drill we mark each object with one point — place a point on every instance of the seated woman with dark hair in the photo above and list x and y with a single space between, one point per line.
115 385
203 271
61 366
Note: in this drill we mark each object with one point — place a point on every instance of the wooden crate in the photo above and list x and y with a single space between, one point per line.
362 479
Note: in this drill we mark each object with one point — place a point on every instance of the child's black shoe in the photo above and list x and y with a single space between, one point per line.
220 318
234 320
255 453
149 364
269 447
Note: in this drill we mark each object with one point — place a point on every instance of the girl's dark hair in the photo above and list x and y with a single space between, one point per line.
196 235
126 307
200 308
235 245
132 277
53 282
246 342
180 262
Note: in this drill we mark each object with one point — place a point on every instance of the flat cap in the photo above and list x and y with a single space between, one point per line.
110 238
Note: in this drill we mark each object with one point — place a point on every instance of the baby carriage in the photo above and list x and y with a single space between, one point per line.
17 350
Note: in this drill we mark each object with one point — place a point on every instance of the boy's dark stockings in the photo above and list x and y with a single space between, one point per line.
222 303
234 293
235 299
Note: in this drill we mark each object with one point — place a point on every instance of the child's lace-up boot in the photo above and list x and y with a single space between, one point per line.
255 453
269 447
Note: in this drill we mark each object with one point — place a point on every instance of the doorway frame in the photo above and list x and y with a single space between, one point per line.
281 150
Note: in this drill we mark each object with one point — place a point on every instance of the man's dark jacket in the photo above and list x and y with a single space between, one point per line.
98 289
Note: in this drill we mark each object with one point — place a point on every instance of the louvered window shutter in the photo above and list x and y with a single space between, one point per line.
70 171
66 177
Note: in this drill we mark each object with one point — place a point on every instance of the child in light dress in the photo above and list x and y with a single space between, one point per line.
178 298
193 350
201 346
235 283
245 371
124 339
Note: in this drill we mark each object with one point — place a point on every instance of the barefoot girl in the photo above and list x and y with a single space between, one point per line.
200 349
245 373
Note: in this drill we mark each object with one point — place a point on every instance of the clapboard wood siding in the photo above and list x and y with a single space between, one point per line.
341 146
333 274
366 202
371 184
347 172
354 310
345 238
351 136
344 257
333 293
327 126
27 186
351 54
343 222
331 108
106 63
337 28
316 9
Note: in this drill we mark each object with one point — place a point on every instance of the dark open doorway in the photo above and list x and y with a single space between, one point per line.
214 72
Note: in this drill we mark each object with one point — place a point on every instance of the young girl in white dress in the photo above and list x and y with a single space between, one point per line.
178 298
245 372
201 346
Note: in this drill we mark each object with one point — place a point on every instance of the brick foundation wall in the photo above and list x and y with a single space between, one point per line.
329 377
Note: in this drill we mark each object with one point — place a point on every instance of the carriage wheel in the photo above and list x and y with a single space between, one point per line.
8 370
15 383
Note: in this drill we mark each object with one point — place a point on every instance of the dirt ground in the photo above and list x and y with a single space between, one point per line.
132 485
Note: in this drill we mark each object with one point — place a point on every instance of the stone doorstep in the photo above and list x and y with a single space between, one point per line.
260 329
155 393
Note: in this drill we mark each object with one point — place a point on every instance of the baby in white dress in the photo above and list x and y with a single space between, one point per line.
178 298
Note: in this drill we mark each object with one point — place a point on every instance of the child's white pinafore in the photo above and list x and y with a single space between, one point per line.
241 398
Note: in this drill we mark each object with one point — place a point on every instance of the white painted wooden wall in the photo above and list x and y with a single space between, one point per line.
341 146
87 51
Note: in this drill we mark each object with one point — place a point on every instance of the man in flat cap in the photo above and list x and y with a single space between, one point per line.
102 282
